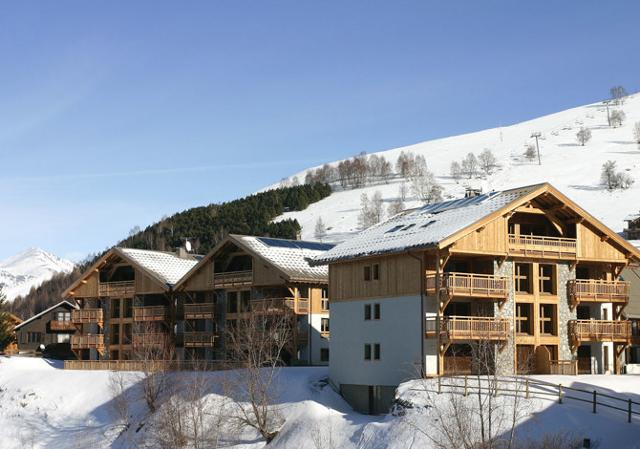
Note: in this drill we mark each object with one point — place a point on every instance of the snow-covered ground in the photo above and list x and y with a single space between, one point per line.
28 269
42 406
572 168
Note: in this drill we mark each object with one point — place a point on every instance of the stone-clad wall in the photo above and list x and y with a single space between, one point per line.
505 363
565 273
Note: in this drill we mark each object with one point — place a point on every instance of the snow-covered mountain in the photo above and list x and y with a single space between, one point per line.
572 168
30 268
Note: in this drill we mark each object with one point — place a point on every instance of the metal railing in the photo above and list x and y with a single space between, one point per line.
598 291
470 284
600 330
117 289
233 278
542 246
150 313
454 327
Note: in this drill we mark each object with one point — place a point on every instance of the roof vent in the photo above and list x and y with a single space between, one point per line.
471 193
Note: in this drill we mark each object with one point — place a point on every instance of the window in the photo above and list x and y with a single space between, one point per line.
376 351
547 319
232 302
303 292
546 279
63 316
376 311
367 273
245 297
34 337
324 325
115 334
523 319
128 331
376 272
324 304
63 338
367 311
115 308
523 278
128 308
367 351
324 354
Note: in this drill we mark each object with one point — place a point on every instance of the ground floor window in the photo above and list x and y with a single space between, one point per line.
324 354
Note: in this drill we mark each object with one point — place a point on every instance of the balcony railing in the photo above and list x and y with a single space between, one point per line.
591 290
470 285
150 313
150 339
232 279
60 325
280 305
454 327
198 339
533 245
87 316
600 330
89 341
199 311
122 289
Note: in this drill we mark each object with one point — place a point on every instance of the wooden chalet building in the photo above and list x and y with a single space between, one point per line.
525 272
50 327
632 231
135 302
247 274
127 303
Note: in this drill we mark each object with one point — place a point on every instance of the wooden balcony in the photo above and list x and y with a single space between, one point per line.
324 334
198 339
280 305
599 331
466 328
591 290
470 285
87 316
199 311
151 313
59 325
539 246
88 341
150 339
233 279
123 289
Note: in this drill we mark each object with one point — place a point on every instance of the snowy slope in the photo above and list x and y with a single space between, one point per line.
42 406
574 169
30 268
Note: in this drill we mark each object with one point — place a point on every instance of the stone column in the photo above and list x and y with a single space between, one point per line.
565 273
505 353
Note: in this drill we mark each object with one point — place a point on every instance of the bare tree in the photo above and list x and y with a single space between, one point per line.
487 161
530 153
426 188
617 117
258 344
618 93
402 191
371 211
470 165
395 207
636 131
404 163
321 229
583 136
613 179
456 171
120 398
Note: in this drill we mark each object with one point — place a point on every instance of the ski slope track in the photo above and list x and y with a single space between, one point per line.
572 168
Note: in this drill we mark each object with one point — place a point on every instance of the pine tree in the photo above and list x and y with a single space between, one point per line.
6 325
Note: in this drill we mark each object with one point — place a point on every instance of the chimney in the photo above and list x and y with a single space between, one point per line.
182 253
470 192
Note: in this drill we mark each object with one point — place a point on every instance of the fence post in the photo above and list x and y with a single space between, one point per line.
559 393
629 414
595 401
526 388
439 384
465 385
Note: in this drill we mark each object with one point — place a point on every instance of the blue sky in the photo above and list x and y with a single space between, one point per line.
113 114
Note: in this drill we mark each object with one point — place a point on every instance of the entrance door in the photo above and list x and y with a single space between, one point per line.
605 358
525 359
584 359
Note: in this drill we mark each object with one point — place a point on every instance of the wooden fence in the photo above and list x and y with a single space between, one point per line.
149 365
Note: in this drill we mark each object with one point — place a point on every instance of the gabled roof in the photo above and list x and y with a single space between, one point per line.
289 257
438 225
27 321
164 267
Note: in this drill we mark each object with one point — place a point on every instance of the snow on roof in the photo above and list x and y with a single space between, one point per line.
167 267
290 256
18 326
422 227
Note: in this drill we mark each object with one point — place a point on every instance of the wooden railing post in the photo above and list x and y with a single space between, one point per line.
526 383
439 385
559 393
595 400
465 385
629 411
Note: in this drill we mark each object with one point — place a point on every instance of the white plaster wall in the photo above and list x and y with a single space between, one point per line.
399 332
316 340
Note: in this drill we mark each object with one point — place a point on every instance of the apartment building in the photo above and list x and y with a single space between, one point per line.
52 326
525 272
138 303
247 274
